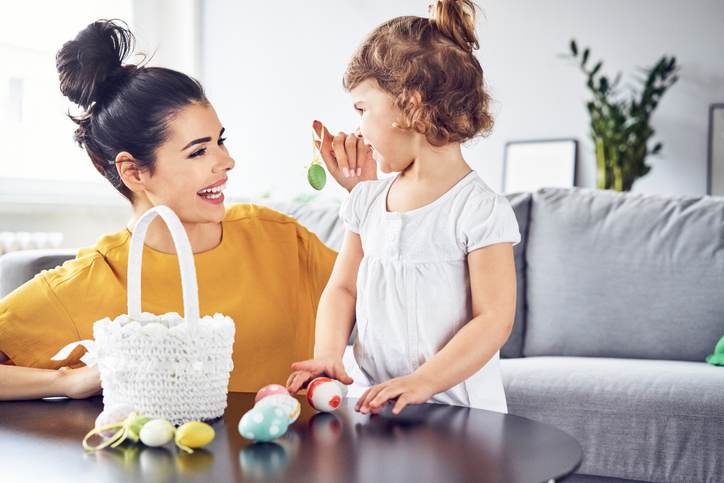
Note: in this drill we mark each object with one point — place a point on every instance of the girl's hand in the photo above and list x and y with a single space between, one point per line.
402 391
346 156
80 383
305 371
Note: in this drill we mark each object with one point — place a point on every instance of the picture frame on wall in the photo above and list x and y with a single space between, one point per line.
539 163
715 157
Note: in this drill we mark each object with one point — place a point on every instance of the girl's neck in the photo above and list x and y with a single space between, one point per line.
202 236
433 172
438 165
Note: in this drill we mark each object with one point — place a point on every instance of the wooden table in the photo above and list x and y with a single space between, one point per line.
41 441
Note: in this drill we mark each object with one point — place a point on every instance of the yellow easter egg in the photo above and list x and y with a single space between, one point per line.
194 434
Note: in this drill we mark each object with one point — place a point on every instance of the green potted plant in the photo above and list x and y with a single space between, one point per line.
621 124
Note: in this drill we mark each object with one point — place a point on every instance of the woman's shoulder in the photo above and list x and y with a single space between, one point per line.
242 217
88 258
240 212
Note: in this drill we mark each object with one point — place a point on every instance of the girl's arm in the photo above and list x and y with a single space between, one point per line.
493 288
335 318
32 383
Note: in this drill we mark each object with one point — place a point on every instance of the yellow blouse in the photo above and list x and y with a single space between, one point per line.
267 274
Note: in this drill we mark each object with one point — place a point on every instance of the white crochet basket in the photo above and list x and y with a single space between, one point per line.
165 366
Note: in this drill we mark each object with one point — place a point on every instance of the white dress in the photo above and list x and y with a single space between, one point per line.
413 284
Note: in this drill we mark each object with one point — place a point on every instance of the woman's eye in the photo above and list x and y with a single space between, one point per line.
222 141
198 153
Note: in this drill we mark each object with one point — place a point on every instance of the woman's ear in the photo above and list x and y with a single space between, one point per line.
129 172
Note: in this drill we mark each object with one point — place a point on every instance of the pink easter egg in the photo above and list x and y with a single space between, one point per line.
324 394
270 390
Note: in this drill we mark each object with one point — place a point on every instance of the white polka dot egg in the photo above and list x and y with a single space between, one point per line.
264 423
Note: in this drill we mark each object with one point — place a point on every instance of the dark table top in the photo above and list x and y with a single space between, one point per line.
41 441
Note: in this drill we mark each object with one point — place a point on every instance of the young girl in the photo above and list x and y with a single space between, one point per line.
427 260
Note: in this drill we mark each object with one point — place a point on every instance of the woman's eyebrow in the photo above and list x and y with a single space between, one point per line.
202 140
196 141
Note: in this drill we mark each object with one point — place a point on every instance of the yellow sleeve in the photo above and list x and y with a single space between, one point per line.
318 260
34 325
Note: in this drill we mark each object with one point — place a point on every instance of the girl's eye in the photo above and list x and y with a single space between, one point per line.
198 153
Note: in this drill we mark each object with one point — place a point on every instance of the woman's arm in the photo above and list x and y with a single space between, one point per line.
493 290
32 383
335 318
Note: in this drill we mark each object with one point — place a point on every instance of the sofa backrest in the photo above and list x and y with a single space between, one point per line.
624 275
16 268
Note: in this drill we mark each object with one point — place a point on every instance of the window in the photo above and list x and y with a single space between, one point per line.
39 159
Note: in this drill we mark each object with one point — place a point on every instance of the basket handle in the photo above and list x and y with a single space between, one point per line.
185 259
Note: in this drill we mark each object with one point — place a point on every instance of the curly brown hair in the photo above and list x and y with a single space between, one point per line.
433 59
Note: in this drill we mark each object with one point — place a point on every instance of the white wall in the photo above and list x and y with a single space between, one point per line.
271 68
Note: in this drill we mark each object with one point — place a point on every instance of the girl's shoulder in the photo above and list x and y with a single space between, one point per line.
355 209
483 216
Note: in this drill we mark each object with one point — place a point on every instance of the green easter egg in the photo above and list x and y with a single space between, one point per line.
317 176
265 423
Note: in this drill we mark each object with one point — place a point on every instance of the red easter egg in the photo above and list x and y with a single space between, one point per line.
324 394
270 390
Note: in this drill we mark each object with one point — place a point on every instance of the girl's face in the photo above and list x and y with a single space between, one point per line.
392 147
191 166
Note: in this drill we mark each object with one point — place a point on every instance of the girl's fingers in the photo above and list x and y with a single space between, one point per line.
401 403
374 391
385 395
362 149
362 399
350 148
292 383
339 153
309 365
341 374
325 146
299 380
289 380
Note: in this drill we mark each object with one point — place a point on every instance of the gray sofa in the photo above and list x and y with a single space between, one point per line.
620 299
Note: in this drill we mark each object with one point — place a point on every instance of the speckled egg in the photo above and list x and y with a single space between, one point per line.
270 390
325 394
264 423
290 405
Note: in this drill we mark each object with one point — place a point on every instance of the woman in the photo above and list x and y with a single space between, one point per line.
153 134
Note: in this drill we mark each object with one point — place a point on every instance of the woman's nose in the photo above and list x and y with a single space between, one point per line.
225 163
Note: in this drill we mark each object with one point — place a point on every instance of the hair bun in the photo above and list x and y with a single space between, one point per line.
89 65
456 20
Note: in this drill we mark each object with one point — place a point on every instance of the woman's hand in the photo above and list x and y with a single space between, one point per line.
305 371
80 383
346 156
402 391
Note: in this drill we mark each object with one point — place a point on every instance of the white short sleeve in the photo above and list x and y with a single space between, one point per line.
487 220
354 208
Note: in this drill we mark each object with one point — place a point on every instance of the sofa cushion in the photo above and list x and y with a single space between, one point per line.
521 206
624 275
636 419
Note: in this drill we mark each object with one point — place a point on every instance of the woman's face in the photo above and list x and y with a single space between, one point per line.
191 167
391 146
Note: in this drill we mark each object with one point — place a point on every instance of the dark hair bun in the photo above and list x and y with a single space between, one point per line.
90 64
